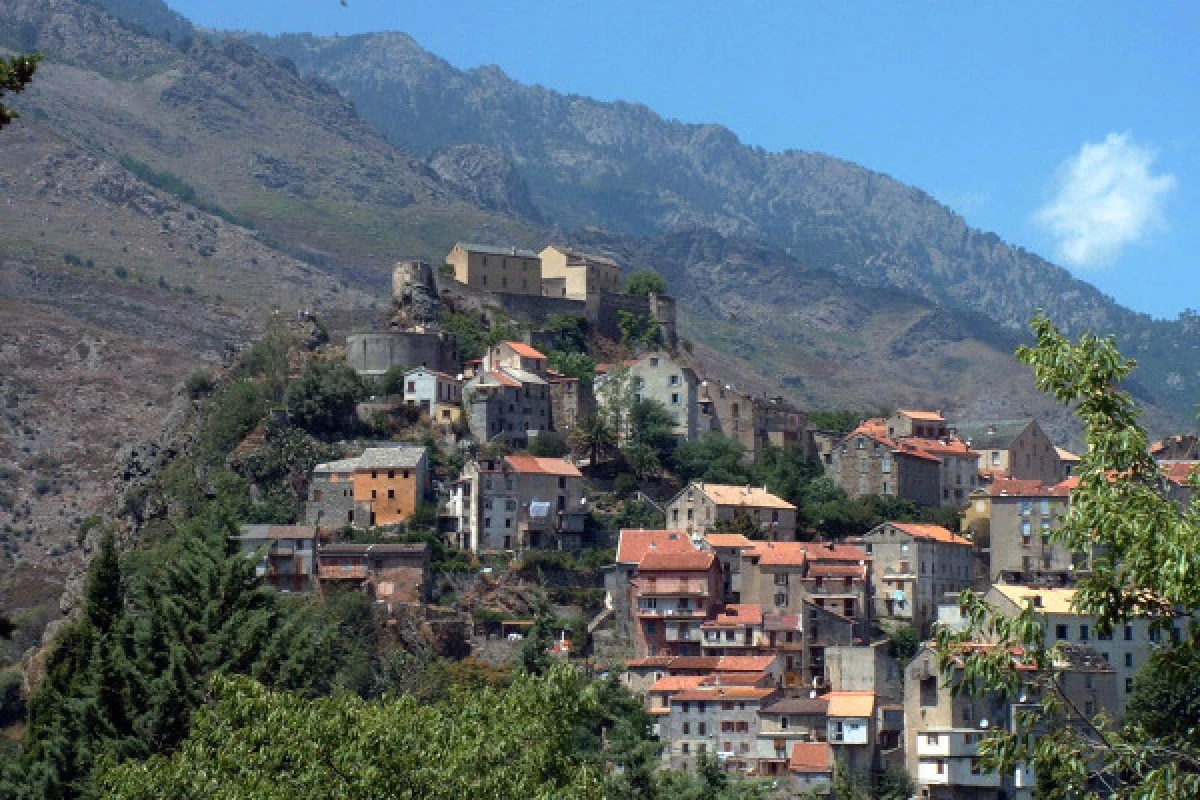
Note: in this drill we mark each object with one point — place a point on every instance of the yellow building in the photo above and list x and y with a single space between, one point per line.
577 275
497 269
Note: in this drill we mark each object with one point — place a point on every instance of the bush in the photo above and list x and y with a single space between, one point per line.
646 281
323 400
198 384
625 484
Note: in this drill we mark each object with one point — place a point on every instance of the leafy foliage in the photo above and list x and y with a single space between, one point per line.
16 72
323 400
1145 559
644 282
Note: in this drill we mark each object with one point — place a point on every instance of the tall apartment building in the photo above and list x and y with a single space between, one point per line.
509 397
510 270
913 567
519 502
1011 523
673 593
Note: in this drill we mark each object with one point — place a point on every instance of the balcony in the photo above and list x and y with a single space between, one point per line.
671 613
947 743
671 588
955 772
674 634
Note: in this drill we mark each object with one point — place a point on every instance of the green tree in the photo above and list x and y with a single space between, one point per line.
7 627
574 365
594 436
535 655
104 598
392 382
1165 702
644 282
906 641
1146 556
16 72
323 400
713 458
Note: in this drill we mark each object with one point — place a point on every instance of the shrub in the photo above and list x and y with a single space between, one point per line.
198 384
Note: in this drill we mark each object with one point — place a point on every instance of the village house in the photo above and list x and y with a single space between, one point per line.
571 273
657 376
673 593
642 673
1011 523
571 400
1177 480
913 566
783 577
383 486
287 554
519 502
729 548
718 720
1012 448
1126 649
758 422
851 729
943 729
1183 447
787 721
508 397
811 767
437 394
701 507
632 547
508 270
391 573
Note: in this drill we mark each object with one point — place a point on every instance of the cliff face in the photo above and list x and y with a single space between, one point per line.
621 167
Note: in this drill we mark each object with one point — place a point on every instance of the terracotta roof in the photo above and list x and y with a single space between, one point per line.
498 377
811 757
727 540
633 545
912 451
1179 472
799 705
677 683
832 551
737 615
533 465
785 554
666 562
947 447
649 662
745 663
1012 487
935 533
742 496
836 571
524 350
851 704
736 679
711 693
694 663
924 416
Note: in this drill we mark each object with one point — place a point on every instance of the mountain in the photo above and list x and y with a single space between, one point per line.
622 167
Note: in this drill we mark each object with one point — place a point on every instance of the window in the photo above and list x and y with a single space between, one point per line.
1129 686
781 579
651 626
781 599
1060 632
1084 633
683 748
783 723
1089 708
391 474
1045 508
374 494
687 728
1129 660
701 729
1129 633
887 465
1025 507
941 767
391 494
931 739
1090 681
1026 532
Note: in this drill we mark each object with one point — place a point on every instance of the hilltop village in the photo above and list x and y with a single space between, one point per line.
546 455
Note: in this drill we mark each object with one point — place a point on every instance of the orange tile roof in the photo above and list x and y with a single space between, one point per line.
711 693
649 661
677 683
633 545
924 416
691 663
851 704
524 350
837 571
502 379
694 561
736 679
736 615
745 663
533 465
811 757
912 451
934 533
724 494
727 540
1179 472
832 551
949 447
1012 487
782 554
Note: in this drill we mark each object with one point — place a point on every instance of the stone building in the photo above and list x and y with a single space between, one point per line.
383 486
1183 447
391 573
579 275
331 502
508 270
913 567
943 728
632 546
758 422
1012 448
571 400
373 354
717 720
701 507
1011 522
657 376
519 503
509 397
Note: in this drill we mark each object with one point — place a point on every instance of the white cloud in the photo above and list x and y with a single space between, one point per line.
1105 198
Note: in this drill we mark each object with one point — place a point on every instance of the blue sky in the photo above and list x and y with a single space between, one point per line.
1069 128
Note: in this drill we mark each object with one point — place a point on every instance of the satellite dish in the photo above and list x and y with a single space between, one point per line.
812 693
983 723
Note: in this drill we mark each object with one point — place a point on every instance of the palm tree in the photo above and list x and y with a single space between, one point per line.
595 436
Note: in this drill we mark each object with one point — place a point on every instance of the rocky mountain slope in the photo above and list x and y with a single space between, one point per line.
622 167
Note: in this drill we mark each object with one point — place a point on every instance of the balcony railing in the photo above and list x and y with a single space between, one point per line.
668 613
